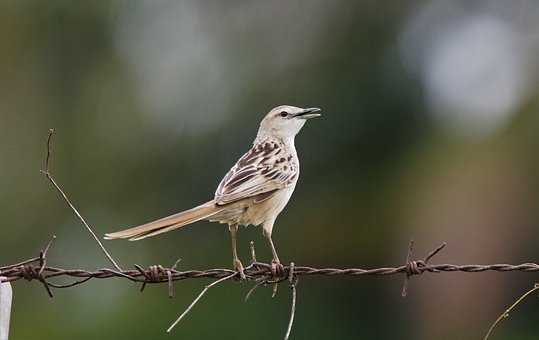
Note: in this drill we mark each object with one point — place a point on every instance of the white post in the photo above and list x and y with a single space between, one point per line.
6 295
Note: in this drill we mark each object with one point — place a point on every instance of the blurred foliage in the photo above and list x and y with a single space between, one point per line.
153 102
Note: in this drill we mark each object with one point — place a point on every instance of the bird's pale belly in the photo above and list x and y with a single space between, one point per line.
259 213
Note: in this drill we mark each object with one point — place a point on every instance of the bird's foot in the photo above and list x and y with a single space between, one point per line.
238 266
277 269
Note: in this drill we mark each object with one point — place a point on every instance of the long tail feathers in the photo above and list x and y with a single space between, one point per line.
172 222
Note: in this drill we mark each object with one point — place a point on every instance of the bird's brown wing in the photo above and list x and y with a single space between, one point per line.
265 168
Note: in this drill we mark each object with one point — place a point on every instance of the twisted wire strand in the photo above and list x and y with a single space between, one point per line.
257 270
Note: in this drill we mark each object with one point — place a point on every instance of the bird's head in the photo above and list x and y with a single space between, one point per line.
286 121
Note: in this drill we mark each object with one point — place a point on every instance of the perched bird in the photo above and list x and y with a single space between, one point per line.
254 191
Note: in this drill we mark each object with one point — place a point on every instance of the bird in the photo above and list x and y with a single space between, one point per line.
253 192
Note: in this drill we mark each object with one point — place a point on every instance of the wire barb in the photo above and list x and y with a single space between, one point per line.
29 272
154 274
169 278
417 267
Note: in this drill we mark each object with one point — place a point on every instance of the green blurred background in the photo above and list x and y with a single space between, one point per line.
429 131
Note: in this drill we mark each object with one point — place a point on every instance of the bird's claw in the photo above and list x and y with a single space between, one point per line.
277 269
238 266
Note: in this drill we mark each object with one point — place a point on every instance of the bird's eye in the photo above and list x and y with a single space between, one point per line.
283 114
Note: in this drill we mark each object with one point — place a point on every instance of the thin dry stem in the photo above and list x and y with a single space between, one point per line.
252 290
175 265
293 282
49 176
275 289
505 314
292 312
215 283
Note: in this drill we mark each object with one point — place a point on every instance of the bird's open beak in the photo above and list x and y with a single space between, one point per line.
309 113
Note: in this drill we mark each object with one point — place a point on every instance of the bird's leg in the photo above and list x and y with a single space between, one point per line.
238 266
276 267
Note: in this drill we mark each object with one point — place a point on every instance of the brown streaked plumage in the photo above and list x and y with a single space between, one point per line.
254 191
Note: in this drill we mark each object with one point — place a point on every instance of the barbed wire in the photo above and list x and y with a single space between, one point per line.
38 268
260 273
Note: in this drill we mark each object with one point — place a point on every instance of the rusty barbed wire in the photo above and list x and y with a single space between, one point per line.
37 269
261 273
